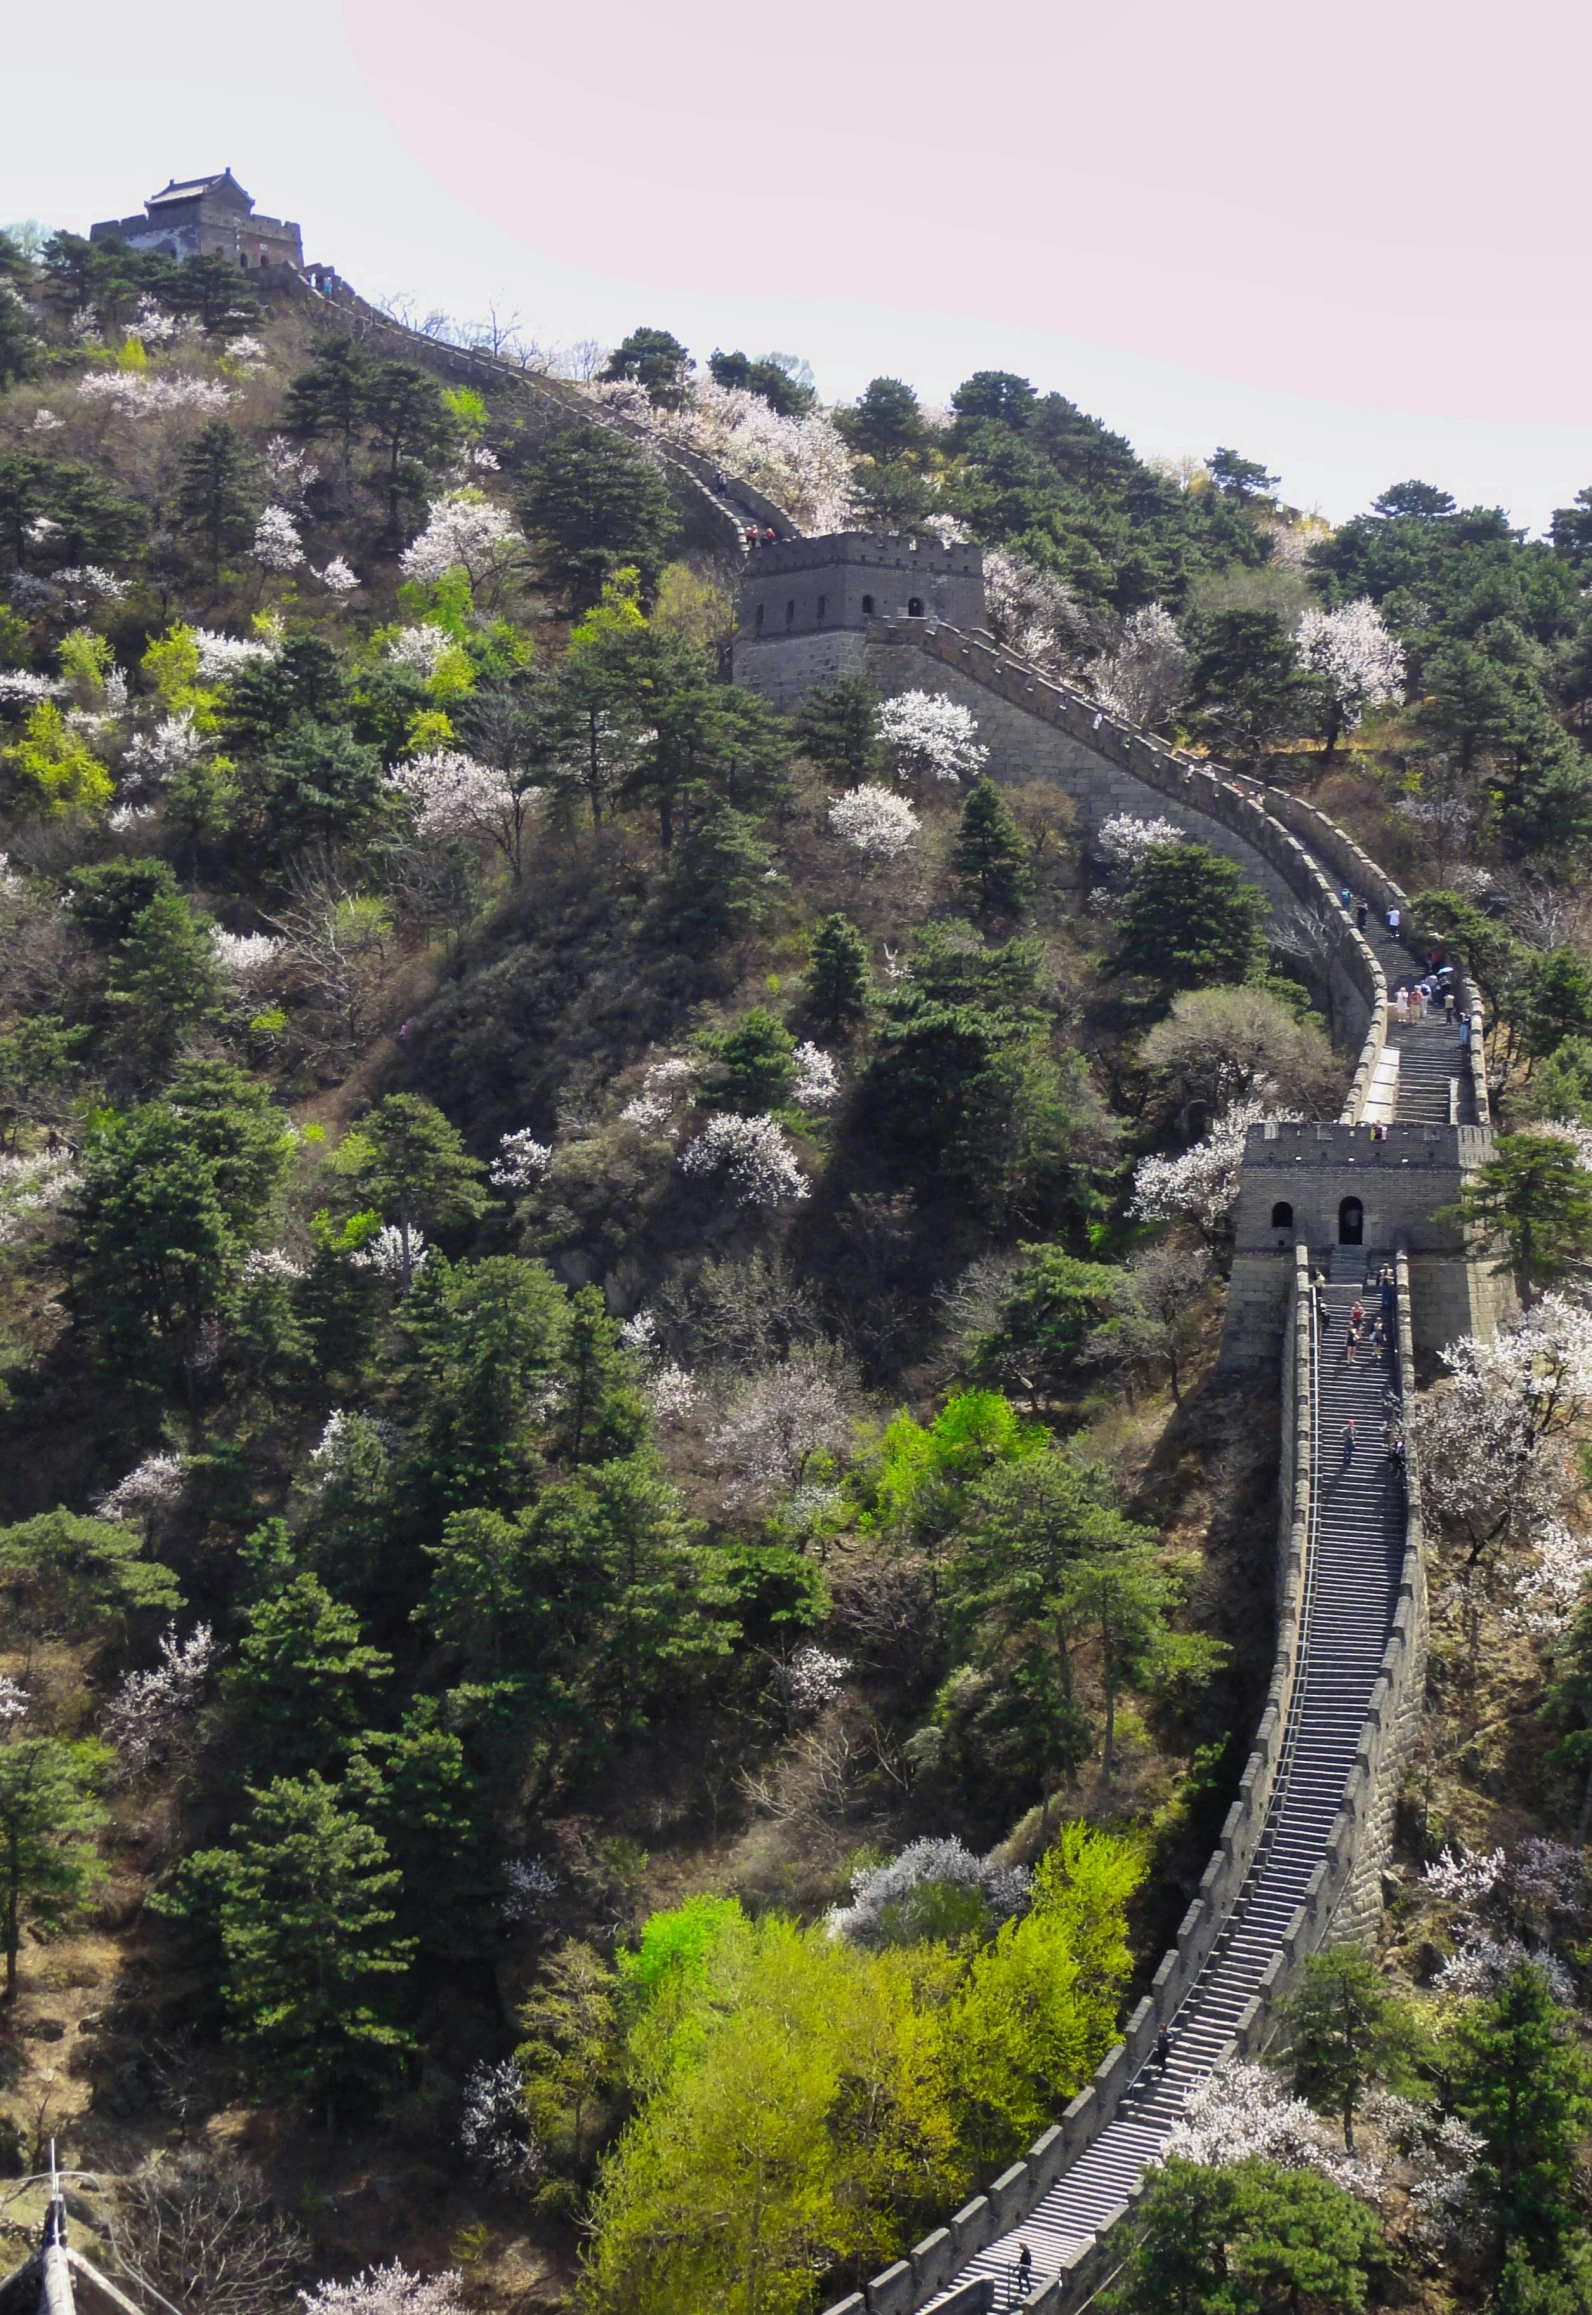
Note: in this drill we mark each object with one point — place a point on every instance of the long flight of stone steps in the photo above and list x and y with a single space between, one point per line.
1353 1565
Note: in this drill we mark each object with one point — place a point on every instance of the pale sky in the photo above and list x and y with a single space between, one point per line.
1350 242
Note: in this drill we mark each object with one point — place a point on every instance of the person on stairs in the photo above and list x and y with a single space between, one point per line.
1025 2270
1348 1443
1163 2048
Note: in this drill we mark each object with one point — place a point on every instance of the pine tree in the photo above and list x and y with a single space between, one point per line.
405 1156
302 1680
601 1412
163 981
570 2056
329 398
989 856
218 499
1345 2030
49 1865
838 730
1522 2081
304 1909
838 977
418 1790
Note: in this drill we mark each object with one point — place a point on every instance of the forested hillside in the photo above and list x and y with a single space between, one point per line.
631 1603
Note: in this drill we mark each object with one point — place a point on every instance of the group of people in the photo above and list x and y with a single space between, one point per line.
1437 993
761 538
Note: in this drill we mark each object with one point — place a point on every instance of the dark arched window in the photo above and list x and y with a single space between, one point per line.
867 606
821 602
1351 1223
914 606
790 614
759 614
1282 1215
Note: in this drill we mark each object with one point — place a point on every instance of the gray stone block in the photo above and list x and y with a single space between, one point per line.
894 2292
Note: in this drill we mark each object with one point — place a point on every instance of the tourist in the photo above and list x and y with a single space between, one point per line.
1464 1032
1025 2270
1362 909
1393 922
1401 1003
1348 1443
1163 2049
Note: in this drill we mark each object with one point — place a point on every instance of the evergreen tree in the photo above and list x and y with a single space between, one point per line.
484 1342
990 857
572 2052
156 1245
1246 688
1119 1599
418 1790
409 428
755 1063
1344 2031
407 1158
837 728
656 360
593 508
304 682
1053 1303
67 1577
49 1817
601 1412
319 785
218 499
302 1679
718 882
1522 2080
1189 920
164 982
1532 1198
330 397
1238 2238
839 981
19 348
303 1907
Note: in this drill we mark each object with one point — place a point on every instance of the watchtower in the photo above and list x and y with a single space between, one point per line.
207 217
806 603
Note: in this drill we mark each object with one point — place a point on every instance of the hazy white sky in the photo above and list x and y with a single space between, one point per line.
1351 243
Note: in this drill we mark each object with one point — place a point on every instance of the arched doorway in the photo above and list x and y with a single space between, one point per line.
1282 1215
1351 1223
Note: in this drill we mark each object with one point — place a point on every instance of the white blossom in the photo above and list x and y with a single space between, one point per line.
153 394
41 530
19 688
330 1456
248 351
528 1884
453 795
86 583
1241 2109
778 1422
1489 1442
661 1088
149 1707
420 648
126 817
339 575
385 1252
816 1084
31 1185
1463 1880
873 821
46 422
1146 676
277 544
13 1701
802 464
1548 1594
877 1891
1030 612
494 2136
152 323
1124 841
671 1393
754 1154
814 1678
476 458
223 656
271 1262
1204 1182
929 734
246 956
169 748
1482 1963
291 471
640 1334
388 2290
153 1485
1352 653
521 1161
463 531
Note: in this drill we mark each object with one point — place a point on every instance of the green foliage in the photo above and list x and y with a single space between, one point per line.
302 1679
594 507
1344 2031
304 683
157 1246
484 1341
571 2055
163 982
1522 2080
839 980
406 1158
92 522
219 495
318 784
1532 1199
66 1577
53 770
719 877
919 1477
755 1063
654 359
990 857
329 398
1053 1303
1119 1600
303 1909
769 378
49 1816
1243 2238
418 1789
409 430
38 1061
1189 920
837 728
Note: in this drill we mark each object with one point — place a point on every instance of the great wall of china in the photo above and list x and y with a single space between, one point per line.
1302 1852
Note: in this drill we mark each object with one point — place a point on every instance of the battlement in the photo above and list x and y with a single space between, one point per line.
207 217
806 604
1398 1144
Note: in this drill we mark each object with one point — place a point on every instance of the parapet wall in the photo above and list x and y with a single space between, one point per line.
1036 727
1343 1900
